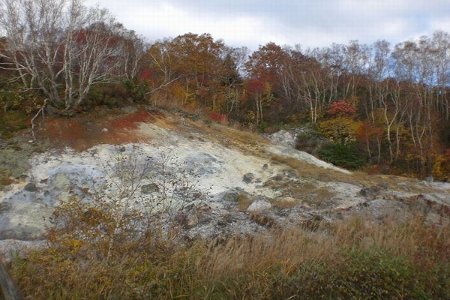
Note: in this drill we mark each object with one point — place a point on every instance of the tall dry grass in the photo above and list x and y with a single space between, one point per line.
349 259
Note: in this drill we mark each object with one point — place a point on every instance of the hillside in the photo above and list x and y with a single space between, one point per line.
220 177
114 187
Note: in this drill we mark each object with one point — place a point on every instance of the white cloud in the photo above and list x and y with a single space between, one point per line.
311 23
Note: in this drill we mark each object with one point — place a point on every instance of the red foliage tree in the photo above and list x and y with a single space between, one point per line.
255 86
341 108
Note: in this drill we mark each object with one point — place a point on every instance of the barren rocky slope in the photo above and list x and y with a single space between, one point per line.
209 180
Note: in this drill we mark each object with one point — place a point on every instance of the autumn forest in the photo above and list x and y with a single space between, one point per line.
386 108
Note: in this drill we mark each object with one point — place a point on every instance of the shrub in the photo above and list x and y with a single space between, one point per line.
342 155
340 130
136 90
341 108
441 166
218 117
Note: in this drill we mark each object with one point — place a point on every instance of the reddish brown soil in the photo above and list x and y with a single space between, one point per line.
87 130
131 121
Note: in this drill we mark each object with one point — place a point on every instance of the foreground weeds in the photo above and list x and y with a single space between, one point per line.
351 259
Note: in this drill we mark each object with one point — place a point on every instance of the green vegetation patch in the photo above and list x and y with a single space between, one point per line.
343 155
11 122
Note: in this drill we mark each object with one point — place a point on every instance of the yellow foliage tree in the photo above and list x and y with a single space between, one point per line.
340 130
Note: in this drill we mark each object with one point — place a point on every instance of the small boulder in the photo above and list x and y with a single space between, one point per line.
30 187
248 178
5 207
230 196
149 188
259 206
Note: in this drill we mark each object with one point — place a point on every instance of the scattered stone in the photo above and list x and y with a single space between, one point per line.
105 130
30 187
265 167
380 209
277 177
149 188
192 215
248 178
373 191
259 205
5 207
225 220
191 221
289 173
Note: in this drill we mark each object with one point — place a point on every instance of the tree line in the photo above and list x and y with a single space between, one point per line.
389 101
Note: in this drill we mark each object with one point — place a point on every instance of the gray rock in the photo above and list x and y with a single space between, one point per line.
380 208
259 206
60 182
289 173
30 187
230 196
5 207
74 175
149 188
22 232
202 164
192 215
284 137
248 178
373 192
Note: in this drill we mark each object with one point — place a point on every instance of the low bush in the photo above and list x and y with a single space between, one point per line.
343 155
11 122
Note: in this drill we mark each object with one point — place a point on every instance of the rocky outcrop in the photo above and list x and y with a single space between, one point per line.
205 188
287 138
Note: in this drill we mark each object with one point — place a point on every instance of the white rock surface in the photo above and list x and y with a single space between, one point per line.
180 170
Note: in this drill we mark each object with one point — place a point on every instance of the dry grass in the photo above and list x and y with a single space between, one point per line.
285 202
350 259
307 170
244 140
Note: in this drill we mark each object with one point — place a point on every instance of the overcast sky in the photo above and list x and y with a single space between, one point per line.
311 23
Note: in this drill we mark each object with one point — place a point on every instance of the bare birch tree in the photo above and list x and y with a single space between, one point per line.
63 48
